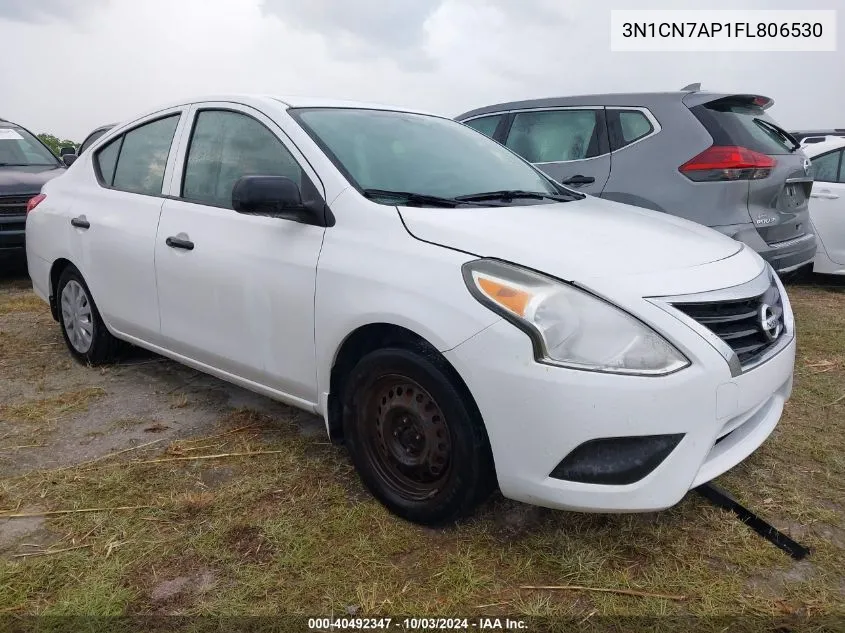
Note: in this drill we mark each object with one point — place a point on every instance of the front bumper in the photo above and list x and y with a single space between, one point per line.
12 234
537 414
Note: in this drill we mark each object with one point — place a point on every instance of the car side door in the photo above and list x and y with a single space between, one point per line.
114 222
569 144
236 291
827 203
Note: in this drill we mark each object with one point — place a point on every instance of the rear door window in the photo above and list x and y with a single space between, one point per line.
553 136
733 122
486 125
143 157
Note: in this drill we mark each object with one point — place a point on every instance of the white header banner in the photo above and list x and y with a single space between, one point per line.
723 31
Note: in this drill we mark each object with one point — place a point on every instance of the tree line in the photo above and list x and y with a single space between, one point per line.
54 143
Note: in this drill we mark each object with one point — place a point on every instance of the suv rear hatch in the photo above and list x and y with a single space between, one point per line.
778 188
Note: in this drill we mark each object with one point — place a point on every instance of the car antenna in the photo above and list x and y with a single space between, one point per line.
691 88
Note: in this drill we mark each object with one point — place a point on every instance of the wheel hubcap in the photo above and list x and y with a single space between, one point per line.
77 316
407 438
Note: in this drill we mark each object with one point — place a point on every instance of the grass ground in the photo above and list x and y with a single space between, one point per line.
289 528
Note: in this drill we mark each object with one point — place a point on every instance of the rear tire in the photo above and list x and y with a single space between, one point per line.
418 443
86 336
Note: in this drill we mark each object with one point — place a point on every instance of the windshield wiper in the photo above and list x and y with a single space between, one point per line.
410 198
783 135
509 195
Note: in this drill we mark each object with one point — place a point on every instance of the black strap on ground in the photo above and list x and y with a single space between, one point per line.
723 499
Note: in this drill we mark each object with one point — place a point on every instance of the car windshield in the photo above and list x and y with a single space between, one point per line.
20 148
421 158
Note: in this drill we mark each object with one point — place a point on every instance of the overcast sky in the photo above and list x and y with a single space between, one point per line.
67 66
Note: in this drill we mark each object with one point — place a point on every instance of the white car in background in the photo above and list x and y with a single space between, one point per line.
827 202
456 317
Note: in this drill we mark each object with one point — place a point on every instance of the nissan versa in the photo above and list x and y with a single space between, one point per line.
457 318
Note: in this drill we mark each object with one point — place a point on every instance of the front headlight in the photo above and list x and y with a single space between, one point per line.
568 326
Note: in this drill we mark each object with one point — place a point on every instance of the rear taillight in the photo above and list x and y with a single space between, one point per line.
727 162
34 202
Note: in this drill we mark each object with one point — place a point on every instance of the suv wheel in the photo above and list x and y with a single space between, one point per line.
417 444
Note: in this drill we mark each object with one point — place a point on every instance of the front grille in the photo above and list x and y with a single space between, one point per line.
14 205
740 323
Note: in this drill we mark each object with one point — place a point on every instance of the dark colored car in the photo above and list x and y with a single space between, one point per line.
93 136
714 158
800 135
25 165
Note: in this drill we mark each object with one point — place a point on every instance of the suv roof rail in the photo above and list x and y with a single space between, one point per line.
692 87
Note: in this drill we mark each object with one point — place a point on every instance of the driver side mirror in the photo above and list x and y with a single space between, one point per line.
64 151
275 196
69 159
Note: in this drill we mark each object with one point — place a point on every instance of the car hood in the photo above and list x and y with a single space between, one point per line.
23 181
573 240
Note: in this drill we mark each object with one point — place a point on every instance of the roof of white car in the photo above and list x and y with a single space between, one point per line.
830 143
294 102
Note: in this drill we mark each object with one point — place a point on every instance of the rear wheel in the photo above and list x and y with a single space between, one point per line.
83 329
418 444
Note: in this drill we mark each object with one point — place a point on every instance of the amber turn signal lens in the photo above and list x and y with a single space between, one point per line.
506 296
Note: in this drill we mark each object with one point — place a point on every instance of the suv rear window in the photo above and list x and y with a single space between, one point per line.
738 122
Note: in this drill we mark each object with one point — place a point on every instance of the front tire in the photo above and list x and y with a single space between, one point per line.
416 439
85 334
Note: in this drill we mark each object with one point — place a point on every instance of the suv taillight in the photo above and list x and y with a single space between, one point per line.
727 162
34 202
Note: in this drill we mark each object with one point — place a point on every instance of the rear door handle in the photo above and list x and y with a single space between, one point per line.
178 242
579 180
81 222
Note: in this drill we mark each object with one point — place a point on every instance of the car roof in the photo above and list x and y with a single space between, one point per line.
817 149
287 102
633 99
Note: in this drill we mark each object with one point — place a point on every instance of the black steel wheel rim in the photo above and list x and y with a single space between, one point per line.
406 438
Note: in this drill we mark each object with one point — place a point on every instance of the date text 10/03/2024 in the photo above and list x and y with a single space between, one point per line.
416 624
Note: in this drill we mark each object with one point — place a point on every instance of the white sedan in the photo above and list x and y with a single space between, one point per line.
457 318
827 203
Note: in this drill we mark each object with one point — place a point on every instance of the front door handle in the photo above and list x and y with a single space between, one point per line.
178 242
826 195
81 222
578 179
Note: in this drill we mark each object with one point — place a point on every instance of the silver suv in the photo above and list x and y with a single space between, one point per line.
716 159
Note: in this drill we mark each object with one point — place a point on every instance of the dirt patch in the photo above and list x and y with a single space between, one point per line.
774 583
249 542
198 583
23 535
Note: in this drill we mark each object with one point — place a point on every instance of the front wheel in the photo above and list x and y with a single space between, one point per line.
83 329
417 442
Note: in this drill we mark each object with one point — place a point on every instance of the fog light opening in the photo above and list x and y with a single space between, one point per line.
616 461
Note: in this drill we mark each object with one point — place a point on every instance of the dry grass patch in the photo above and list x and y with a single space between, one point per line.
50 409
27 302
